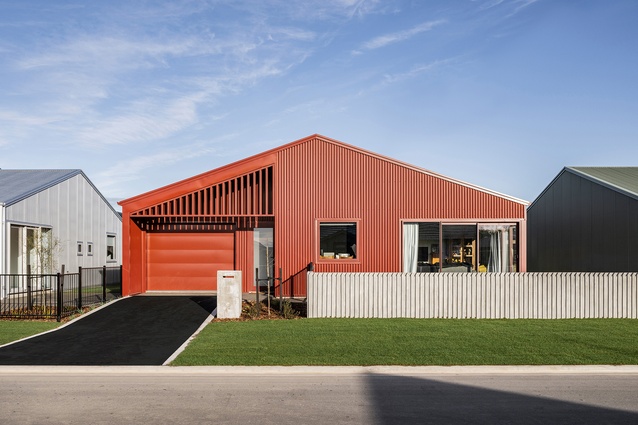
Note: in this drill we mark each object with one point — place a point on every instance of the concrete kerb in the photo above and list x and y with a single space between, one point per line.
192 337
412 371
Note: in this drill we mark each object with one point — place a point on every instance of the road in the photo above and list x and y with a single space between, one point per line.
313 395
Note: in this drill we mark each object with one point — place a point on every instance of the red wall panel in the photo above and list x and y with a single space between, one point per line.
324 180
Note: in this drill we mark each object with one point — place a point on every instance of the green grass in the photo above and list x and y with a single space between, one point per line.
12 330
414 342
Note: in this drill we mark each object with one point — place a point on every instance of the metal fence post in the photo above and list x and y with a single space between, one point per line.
79 288
103 284
59 298
281 292
29 293
257 285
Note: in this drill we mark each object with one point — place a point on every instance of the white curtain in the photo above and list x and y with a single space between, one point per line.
410 246
499 247
495 263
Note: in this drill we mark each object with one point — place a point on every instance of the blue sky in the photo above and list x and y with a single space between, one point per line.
140 94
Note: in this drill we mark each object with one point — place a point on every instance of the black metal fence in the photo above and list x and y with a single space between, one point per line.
48 296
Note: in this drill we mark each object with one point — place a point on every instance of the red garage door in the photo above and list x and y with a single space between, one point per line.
187 261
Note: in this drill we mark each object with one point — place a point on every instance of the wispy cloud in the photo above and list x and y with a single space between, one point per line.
113 179
416 71
397 37
512 7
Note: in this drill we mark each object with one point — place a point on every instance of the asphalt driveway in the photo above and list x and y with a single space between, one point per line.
141 330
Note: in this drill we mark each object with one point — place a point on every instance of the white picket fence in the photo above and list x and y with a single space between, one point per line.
473 295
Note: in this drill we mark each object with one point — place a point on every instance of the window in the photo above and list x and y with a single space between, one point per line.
110 248
89 248
451 247
499 251
79 249
338 241
459 247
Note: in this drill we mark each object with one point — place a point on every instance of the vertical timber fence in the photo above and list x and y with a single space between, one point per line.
54 296
473 295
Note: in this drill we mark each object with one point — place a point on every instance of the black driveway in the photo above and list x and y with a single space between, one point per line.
142 330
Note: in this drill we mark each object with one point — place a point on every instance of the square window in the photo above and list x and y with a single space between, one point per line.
338 241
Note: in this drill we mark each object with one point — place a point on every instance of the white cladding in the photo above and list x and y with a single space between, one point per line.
77 214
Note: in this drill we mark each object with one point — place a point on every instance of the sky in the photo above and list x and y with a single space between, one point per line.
139 94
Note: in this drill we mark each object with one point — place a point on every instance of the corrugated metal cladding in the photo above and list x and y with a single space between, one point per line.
292 188
322 180
578 224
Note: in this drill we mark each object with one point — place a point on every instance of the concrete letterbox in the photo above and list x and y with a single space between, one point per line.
229 294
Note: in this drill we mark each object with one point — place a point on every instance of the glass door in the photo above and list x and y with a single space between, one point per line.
264 253
459 248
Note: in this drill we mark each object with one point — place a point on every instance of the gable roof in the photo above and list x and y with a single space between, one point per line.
623 180
620 179
267 158
18 185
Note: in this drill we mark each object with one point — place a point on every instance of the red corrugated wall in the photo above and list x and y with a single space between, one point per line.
323 180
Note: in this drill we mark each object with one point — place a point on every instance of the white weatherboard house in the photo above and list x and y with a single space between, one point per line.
50 218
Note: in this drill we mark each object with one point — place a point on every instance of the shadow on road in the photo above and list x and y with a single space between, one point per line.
400 399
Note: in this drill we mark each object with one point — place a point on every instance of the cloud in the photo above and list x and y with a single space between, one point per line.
414 72
113 179
514 6
396 37
113 53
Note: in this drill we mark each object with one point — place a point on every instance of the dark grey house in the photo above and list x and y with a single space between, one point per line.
585 220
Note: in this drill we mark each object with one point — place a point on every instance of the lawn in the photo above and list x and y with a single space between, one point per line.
414 342
12 330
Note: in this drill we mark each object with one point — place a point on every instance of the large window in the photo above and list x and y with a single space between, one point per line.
441 247
338 241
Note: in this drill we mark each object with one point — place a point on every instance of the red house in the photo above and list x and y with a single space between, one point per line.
320 201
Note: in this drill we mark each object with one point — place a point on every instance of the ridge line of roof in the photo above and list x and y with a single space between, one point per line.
334 142
578 171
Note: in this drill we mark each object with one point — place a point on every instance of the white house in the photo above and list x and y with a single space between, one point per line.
50 218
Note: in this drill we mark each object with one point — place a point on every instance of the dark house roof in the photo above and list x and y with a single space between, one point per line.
620 179
623 180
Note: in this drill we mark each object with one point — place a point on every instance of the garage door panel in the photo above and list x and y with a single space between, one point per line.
187 261
193 241
186 256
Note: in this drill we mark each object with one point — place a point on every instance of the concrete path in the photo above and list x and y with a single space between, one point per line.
313 395
142 330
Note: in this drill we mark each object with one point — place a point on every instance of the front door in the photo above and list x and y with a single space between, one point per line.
264 253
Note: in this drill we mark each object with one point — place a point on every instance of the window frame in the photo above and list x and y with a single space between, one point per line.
80 248
317 244
114 259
